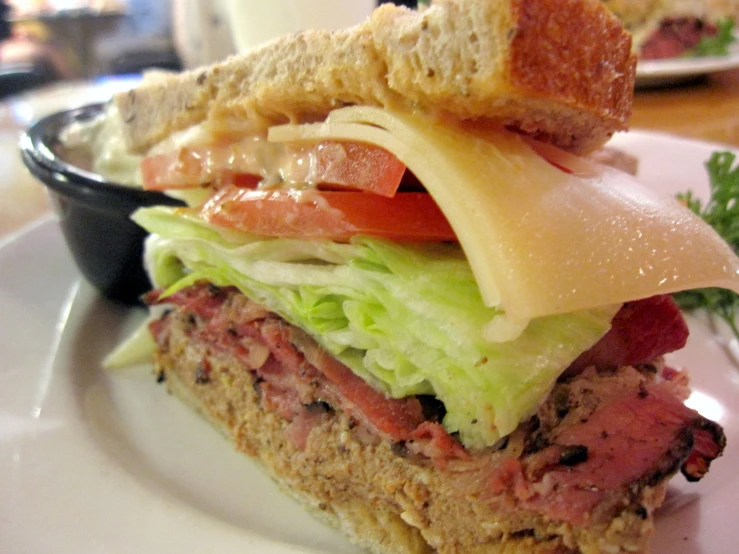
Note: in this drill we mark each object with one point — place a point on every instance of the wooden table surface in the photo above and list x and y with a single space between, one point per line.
707 109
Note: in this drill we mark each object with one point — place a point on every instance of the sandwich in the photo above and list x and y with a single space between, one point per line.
401 283
668 29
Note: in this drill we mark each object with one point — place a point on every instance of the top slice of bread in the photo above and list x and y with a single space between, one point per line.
561 70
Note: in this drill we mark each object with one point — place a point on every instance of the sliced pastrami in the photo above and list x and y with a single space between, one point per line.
675 36
640 332
204 300
396 418
641 437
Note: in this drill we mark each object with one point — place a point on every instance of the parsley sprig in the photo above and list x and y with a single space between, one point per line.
722 213
718 44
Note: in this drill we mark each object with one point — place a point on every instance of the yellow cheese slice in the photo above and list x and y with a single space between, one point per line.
540 240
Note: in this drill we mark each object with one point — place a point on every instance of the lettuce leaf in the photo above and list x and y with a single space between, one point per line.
719 44
407 318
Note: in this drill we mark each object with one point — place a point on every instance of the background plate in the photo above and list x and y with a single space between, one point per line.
656 73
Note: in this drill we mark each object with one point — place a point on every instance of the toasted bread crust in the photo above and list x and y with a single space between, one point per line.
553 60
535 65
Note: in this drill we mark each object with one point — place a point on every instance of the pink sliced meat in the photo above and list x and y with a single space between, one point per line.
300 427
675 36
640 332
640 437
204 300
397 418
432 440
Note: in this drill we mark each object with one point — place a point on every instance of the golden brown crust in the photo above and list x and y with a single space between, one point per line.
519 63
552 60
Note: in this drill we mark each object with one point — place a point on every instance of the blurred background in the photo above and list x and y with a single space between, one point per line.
44 41
54 40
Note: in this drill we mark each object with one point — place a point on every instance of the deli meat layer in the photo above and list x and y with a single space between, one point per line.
584 474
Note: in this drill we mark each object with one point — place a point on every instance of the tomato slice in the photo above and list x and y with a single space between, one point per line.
408 216
180 169
356 166
327 165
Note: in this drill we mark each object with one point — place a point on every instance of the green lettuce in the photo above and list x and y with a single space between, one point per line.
718 44
407 318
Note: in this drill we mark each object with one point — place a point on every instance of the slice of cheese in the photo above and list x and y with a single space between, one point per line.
540 240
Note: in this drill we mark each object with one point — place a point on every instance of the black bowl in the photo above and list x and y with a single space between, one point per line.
94 213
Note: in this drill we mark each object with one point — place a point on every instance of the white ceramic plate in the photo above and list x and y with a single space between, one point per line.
656 73
96 462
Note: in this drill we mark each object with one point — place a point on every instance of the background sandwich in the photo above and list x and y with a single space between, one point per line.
667 29
399 288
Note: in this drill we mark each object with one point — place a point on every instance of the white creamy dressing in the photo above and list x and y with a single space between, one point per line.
280 166
102 138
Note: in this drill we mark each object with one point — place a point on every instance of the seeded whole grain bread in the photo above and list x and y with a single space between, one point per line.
391 503
561 70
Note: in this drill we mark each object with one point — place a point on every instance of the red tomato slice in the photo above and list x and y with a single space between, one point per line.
356 166
408 216
180 169
328 164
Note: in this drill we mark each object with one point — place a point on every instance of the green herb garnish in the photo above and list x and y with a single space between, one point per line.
722 213
718 44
